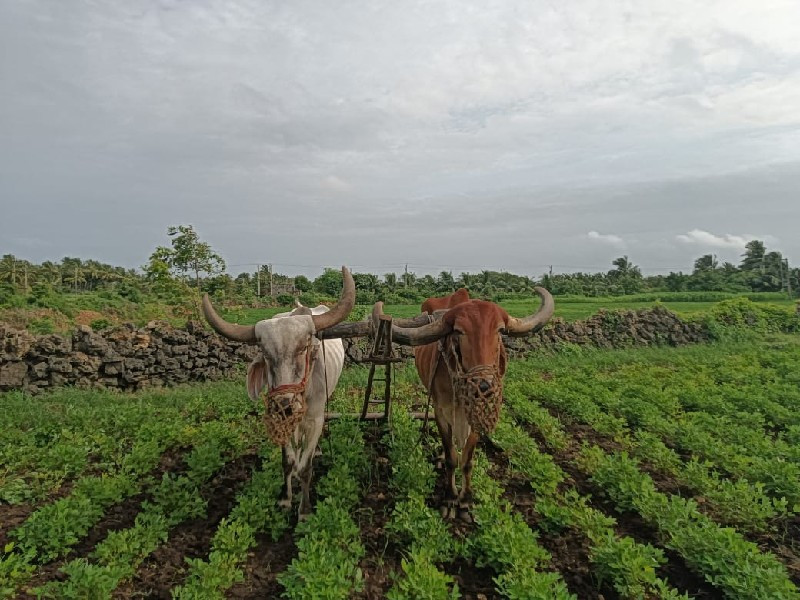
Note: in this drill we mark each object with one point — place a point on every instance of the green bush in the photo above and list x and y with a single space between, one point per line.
42 326
100 324
740 318
285 299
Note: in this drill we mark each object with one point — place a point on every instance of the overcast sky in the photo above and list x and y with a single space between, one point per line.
446 135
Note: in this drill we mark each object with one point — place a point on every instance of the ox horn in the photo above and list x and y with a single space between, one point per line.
415 336
232 331
338 313
532 323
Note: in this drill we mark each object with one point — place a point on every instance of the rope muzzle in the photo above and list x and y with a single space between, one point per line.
286 406
480 390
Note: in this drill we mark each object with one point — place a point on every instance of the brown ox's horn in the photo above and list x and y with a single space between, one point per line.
414 336
534 322
338 313
232 331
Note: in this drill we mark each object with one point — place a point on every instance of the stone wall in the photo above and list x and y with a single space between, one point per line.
123 358
129 359
618 329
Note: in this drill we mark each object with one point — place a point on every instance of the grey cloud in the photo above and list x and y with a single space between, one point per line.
465 132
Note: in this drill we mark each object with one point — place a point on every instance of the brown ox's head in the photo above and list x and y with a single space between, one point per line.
470 343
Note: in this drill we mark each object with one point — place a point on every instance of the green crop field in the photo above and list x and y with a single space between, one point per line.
569 309
650 473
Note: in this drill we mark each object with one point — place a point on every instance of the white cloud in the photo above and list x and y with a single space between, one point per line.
705 238
607 238
336 184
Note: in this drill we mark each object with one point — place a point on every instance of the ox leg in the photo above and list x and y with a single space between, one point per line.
285 499
450 465
312 431
305 485
465 497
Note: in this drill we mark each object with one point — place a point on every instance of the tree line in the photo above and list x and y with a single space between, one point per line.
189 264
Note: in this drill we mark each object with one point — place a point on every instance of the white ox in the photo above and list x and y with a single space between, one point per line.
290 367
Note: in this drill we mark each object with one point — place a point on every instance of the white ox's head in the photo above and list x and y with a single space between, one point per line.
286 344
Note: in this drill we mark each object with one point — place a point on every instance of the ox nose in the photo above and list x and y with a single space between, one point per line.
484 386
284 402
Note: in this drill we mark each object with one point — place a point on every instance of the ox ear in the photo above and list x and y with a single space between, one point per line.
256 377
503 359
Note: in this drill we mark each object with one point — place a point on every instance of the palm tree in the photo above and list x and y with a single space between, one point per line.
9 270
753 257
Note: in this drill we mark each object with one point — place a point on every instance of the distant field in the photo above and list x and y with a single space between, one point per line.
569 309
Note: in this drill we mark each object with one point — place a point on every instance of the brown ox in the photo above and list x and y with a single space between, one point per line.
461 360
431 305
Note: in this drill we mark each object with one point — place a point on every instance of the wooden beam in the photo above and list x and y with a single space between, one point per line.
371 416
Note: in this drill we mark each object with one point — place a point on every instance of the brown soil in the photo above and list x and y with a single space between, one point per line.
270 558
474 583
118 517
167 567
85 317
265 562
382 558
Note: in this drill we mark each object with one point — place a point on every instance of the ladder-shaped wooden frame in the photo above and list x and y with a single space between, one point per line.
382 355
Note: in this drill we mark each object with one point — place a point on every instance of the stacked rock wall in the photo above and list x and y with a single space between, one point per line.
129 359
123 358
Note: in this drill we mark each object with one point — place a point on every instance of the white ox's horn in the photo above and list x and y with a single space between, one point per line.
339 312
232 331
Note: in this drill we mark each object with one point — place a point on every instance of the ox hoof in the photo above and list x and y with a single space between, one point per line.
465 515
303 516
448 512
285 503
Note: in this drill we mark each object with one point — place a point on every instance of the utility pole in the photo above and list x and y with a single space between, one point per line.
551 270
405 277
788 278
258 281
270 279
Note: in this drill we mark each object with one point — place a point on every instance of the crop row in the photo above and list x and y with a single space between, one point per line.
629 566
76 432
732 502
52 530
256 511
328 542
721 555
615 416
504 542
174 500
724 558
414 525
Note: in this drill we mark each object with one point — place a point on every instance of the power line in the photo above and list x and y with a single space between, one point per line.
405 267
